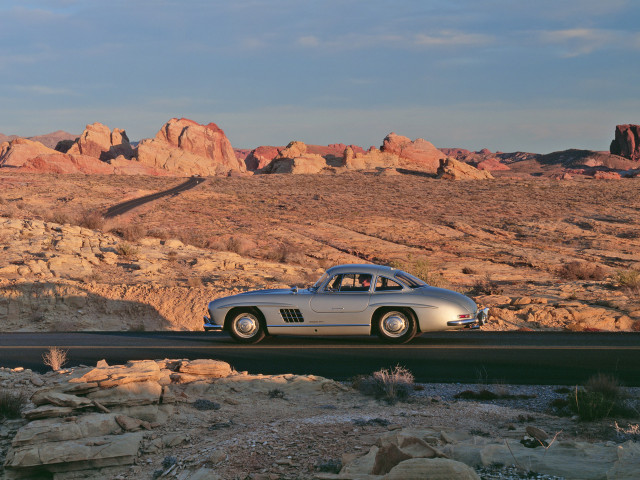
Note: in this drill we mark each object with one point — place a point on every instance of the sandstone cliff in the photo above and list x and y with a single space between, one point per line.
626 142
188 148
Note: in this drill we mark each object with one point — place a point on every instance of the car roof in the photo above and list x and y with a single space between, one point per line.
362 268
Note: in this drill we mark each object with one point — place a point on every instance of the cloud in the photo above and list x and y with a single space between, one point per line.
580 41
448 38
43 90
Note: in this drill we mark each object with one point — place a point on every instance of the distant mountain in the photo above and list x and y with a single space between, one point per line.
49 139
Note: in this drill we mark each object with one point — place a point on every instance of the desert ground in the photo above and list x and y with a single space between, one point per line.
541 253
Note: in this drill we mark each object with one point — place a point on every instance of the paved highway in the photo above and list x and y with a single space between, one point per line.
468 356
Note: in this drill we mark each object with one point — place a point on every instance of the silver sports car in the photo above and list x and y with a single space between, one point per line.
346 300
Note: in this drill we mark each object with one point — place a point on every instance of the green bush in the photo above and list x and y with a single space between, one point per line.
601 397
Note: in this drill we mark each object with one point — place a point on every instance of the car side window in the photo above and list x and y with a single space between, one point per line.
384 284
349 282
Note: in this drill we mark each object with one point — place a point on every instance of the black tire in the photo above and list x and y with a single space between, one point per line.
246 326
396 325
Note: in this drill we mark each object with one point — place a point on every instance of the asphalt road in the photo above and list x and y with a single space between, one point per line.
124 207
469 356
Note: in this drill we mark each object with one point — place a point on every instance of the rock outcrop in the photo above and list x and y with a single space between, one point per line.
296 160
100 142
261 157
451 169
626 142
418 154
371 159
18 151
188 148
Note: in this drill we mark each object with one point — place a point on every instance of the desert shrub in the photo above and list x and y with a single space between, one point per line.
577 270
468 271
421 268
328 466
194 282
91 219
485 286
126 250
240 245
628 280
11 403
58 217
390 385
55 358
131 233
601 397
276 393
285 253
204 404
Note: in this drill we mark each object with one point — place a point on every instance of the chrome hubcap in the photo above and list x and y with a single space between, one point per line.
246 325
395 324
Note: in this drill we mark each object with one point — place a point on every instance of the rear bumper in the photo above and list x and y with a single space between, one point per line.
211 327
482 317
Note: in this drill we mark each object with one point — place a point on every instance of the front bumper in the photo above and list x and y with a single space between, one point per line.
211 327
482 317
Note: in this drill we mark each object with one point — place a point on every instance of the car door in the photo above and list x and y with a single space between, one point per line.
343 293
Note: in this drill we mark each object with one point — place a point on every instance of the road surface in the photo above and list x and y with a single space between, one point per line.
555 358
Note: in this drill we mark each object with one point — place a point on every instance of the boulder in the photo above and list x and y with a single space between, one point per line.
418 154
210 368
431 468
296 160
626 142
451 169
186 147
100 142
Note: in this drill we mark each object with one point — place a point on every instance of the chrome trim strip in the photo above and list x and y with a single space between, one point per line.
466 321
316 325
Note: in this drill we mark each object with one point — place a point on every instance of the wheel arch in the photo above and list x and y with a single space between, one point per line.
381 310
233 311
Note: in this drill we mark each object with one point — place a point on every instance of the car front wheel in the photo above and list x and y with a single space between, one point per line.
396 326
245 327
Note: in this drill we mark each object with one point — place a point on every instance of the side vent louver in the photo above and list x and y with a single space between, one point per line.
291 315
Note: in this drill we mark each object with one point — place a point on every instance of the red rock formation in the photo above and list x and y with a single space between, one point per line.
18 151
451 169
492 164
626 142
71 163
602 175
100 142
373 159
418 154
261 157
186 147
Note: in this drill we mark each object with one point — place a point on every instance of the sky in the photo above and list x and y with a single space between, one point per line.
507 75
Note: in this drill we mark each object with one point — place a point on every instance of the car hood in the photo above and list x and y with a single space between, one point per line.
449 295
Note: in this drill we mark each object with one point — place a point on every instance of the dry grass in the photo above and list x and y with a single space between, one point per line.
11 403
390 385
578 270
55 358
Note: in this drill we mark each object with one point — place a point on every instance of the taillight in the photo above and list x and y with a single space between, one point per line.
464 317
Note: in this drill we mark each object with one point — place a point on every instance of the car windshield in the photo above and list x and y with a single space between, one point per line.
320 281
409 280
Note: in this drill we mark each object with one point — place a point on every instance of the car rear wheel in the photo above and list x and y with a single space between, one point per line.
396 326
245 326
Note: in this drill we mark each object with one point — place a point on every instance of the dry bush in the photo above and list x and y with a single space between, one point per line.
240 245
195 282
91 219
629 280
578 270
485 286
126 250
161 233
11 403
59 217
55 358
285 253
468 271
131 233
390 385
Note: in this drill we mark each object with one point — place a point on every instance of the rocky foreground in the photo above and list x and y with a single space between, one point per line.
200 419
